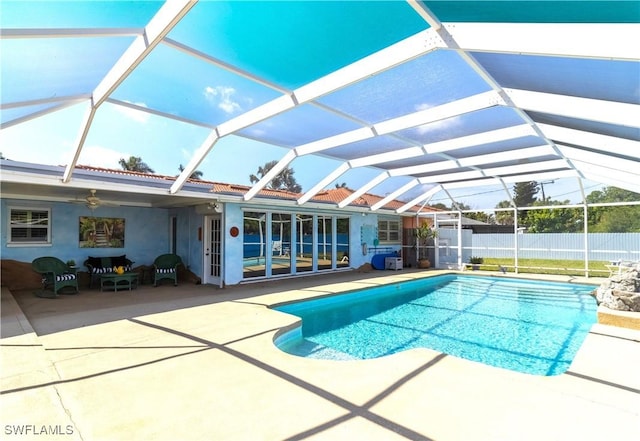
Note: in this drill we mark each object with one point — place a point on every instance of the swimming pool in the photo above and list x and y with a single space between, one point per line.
257 261
523 325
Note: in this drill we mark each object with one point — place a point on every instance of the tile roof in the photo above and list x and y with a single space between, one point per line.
329 196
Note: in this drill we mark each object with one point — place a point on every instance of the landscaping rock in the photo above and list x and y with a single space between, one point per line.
621 292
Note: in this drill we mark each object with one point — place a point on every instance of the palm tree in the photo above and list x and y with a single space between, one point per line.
197 174
135 163
283 181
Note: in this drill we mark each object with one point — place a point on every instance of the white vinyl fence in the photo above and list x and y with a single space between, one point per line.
562 246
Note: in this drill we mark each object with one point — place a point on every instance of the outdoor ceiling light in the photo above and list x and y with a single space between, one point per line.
214 206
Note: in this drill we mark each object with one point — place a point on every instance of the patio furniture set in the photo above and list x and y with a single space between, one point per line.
113 273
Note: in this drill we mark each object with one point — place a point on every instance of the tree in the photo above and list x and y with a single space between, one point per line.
504 217
524 193
283 180
197 174
621 219
135 163
557 220
481 216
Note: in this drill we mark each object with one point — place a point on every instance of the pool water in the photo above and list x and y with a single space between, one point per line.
522 325
257 261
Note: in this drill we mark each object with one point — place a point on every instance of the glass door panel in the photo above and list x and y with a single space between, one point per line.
342 240
303 248
255 233
280 243
324 241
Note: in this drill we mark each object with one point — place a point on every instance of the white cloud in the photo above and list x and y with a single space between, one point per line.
221 96
448 124
98 156
133 114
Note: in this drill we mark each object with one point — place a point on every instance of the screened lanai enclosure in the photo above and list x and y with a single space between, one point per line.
426 102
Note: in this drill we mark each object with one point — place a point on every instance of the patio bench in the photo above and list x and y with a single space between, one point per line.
96 266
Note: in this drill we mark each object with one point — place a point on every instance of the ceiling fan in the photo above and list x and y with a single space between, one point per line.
91 201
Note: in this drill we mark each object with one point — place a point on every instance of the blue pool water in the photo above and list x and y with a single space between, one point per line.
526 326
253 261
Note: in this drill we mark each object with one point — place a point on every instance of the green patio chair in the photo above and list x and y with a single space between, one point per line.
55 274
166 267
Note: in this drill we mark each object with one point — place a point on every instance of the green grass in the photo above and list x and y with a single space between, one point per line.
547 266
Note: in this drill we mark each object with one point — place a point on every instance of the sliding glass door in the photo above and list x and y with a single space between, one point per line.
280 243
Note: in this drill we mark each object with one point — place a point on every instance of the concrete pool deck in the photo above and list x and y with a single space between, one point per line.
195 362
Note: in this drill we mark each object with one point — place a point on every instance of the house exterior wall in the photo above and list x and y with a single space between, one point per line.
358 257
233 246
146 233
188 244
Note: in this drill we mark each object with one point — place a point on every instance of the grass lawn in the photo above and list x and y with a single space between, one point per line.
547 266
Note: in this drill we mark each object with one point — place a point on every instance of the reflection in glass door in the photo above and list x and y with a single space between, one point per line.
303 248
213 250
342 239
325 236
255 235
280 243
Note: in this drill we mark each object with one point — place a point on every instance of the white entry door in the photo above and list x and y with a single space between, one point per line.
213 250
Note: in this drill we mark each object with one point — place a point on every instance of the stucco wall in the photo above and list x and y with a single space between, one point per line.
146 233
233 217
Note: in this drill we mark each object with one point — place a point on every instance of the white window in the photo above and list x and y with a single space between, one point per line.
29 226
388 230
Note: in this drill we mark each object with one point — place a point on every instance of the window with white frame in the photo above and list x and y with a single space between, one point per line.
389 230
29 226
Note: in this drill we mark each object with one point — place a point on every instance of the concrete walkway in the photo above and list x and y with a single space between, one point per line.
198 363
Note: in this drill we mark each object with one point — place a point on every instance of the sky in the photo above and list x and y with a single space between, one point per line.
177 84
165 145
